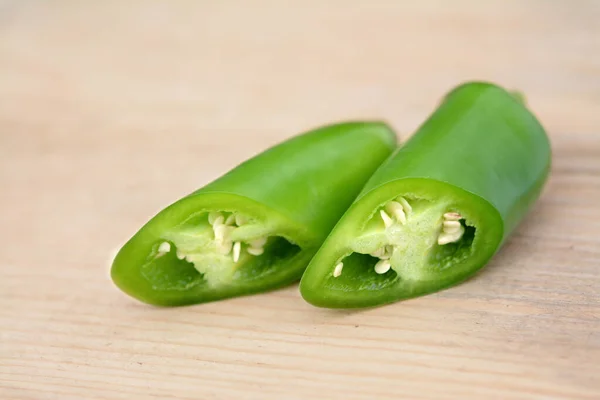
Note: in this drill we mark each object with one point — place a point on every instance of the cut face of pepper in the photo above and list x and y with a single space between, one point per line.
438 210
411 237
257 227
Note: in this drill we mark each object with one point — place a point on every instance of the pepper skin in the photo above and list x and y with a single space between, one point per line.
439 208
257 227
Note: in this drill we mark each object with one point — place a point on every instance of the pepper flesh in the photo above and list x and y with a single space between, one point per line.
440 207
257 227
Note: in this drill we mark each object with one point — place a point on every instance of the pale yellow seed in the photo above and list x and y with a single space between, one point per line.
240 220
394 208
387 221
230 220
451 226
445 238
258 242
237 249
407 207
220 220
382 266
213 216
450 237
401 216
255 251
452 229
180 255
337 271
452 216
164 247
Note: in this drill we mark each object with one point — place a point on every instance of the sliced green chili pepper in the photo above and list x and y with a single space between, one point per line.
439 208
257 227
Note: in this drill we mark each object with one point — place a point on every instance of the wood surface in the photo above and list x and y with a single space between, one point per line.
110 110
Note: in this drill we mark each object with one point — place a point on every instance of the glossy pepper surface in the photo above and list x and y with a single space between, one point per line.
439 208
257 227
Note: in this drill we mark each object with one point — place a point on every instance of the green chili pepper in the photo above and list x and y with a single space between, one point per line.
257 227
439 208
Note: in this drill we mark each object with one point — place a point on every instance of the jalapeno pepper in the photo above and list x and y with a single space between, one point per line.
439 208
256 227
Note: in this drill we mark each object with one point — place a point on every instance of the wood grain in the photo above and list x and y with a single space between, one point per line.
110 110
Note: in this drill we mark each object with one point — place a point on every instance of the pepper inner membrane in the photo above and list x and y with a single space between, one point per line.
215 249
407 238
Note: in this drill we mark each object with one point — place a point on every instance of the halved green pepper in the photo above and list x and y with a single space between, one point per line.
257 227
439 208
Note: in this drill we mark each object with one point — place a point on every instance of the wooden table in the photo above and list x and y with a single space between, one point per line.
110 110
